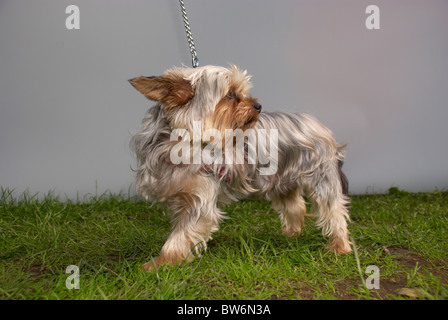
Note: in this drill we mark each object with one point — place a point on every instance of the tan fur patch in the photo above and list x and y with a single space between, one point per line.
166 259
235 112
340 244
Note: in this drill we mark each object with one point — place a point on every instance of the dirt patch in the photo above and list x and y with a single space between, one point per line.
409 261
407 258
396 285
388 287
350 289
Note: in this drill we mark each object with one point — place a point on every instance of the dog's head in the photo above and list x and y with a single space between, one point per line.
217 96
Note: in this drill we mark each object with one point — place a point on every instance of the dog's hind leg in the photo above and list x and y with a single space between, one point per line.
331 209
291 208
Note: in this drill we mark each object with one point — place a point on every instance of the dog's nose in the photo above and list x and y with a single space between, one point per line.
257 107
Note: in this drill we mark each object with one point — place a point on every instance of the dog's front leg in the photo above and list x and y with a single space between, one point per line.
195 217
176 249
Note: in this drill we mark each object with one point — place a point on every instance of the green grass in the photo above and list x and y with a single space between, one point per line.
109 237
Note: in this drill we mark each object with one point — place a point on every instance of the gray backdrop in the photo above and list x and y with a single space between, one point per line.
67 110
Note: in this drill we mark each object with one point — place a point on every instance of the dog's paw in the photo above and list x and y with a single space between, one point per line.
291 232
149 266
340 246
157 262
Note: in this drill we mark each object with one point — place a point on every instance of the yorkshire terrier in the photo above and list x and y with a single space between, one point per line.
304 155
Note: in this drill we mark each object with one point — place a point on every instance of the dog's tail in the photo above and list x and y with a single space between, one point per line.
342 176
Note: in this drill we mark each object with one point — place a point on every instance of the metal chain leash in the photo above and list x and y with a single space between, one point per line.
194 55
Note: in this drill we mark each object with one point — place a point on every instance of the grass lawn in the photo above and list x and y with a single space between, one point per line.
109 237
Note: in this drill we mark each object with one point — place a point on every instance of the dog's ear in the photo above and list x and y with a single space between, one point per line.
171 88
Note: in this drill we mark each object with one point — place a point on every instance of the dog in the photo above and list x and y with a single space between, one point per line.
195 101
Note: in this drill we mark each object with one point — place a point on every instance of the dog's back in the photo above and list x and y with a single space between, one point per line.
306 147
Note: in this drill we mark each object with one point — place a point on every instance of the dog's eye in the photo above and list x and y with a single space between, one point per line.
231 94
